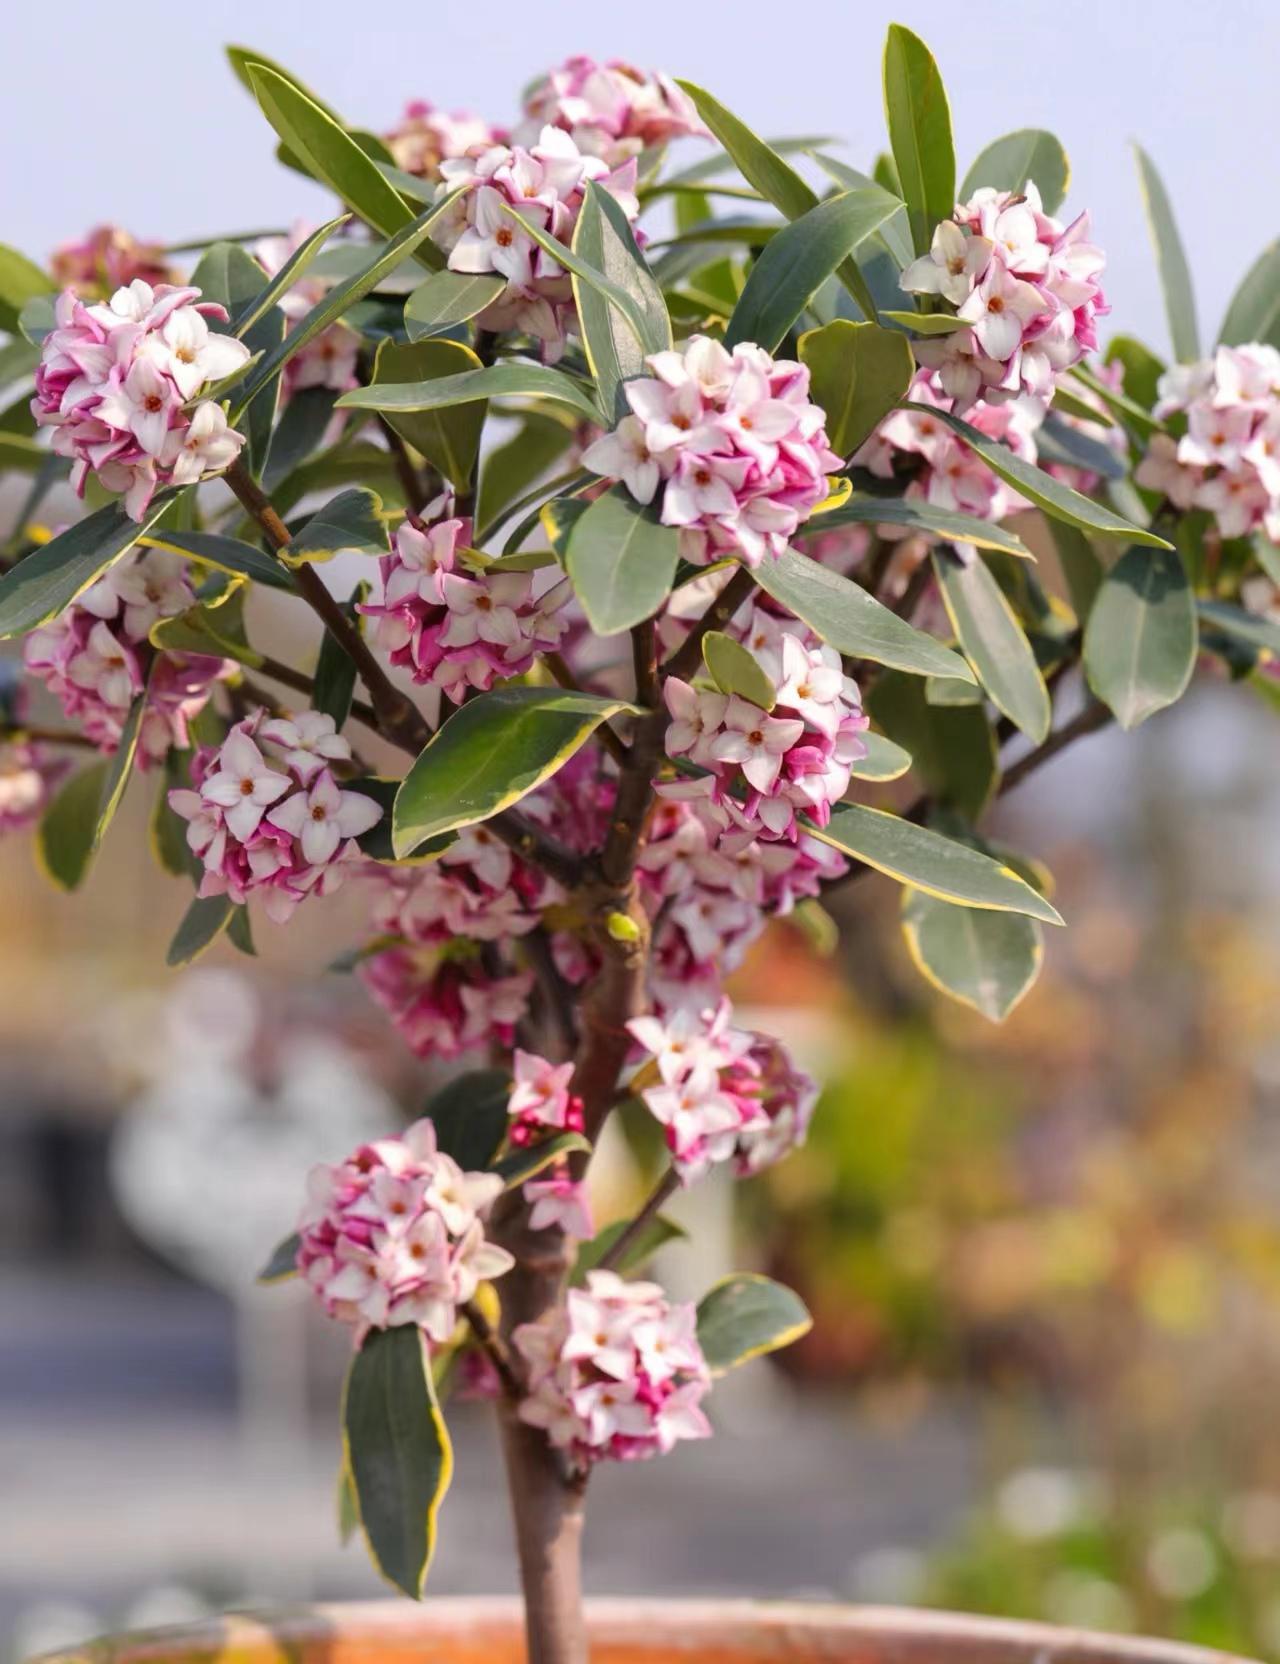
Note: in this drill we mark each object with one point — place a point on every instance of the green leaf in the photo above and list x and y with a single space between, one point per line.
49 579
605 241
1080 567
895 234
21 454
1142 371
1057 500
240 932
919 120
734 669
510 469
113 787
1067 403
303 424
926 323
397 1452
351 520
21 280
984 960
243 560
952 746
283 1261
853 621
1140 643
65 838
202 923
231 276
857 373
744 1316
215 632
502 381
489 754
927 861
655 1235
1254 311
994 642
446 299
330 154
614 293
884 760
448 438
1259 632
329 310
621 559
799 260
526 1163
335 677
470 1117
1171 259
762 166
923 517
1029 156
278 287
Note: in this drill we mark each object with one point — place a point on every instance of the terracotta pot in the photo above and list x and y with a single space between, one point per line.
488 1631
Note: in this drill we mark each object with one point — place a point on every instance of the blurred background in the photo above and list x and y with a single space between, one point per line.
1044 1259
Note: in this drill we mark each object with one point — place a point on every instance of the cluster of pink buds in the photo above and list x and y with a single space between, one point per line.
395 1235
541 1105
721 1093
1228 459
275 822
452 627
95 657
107 259
612 110
29 774
764 768
329 359
426 136
615 1372
119 382
732 442
443 1006
545 183
1027 286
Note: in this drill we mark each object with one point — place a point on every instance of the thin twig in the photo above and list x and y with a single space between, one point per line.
685 660
415 492
605 733
556 991
493 1345
917 583
22 733
662 1193
1088 721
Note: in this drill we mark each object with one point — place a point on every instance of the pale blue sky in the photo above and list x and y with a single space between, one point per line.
130 113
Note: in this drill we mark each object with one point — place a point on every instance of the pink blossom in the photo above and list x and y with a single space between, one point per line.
427 136
108 258
612 110
29 775
541 1099
329 358
443 1006
559 1203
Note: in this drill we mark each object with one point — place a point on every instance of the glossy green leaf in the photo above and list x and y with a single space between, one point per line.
1259 631
1057 500
1029 156
1140 642
300 432
857 373
489 754
994 642
282 1261
1130 412
919 121
985 960
734 669
884 759
335 674
919 516
799 260
621 559
510 469
580 269
1254 311
470 1117
215 632
21 280
449 438
65 837
514 1169
279 286
926 323
121 767
243 560
1067 403
202 923
1057 441
350 521
605 241
895 233
446 299
851 620
502 381
397 1452
1080 565
952 746
49 579
558 518
231 276
745 1316
925 860
36 320
1171 259
1141 371
657 1233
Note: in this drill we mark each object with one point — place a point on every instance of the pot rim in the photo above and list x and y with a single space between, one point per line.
624 1617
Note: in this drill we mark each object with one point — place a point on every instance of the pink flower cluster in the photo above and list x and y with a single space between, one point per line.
764 768
329 359
722 1093
611 109
426 136
395 1235
119 384
1026 285
107 259
545 183
29 774
276 823
1228 459
541 1105
444 1006
615 1372
733 442
94 657
455 629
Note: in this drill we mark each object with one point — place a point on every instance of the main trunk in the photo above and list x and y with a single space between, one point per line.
548 1520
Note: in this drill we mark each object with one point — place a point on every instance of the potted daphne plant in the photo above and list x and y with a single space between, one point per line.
690 595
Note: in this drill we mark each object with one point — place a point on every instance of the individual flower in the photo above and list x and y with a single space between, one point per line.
259 823
545 183
29 775
611 110
118 383
559 1202
541 1100
426 136
395 1235
105 260
729 441
615 1372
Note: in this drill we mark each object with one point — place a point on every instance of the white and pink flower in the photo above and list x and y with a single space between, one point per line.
426 136
612 110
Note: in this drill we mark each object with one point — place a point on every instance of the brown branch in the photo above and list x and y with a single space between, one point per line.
556 991
685 660
605 733
917 583
662 1193
22 733
1094 716
493 1344
415 491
